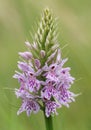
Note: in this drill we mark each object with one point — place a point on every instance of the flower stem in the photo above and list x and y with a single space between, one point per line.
48 122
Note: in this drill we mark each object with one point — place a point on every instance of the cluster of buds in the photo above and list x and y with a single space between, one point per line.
44 82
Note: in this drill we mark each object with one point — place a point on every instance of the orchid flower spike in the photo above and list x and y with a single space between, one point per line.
44 81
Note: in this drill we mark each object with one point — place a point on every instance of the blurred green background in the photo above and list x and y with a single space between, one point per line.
17 18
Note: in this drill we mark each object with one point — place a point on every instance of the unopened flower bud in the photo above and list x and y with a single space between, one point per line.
25 55
42 53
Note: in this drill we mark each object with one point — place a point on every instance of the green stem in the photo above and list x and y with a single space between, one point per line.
48 122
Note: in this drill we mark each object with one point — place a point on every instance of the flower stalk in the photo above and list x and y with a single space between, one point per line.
48 122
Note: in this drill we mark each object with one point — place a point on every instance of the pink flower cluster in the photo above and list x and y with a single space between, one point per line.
43 86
